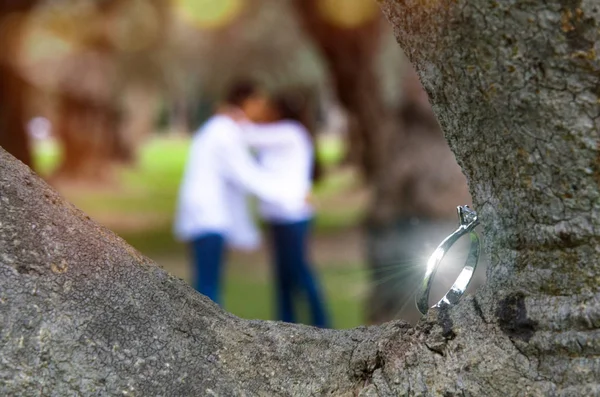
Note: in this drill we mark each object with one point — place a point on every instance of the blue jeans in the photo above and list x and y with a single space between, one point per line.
293 273
207 254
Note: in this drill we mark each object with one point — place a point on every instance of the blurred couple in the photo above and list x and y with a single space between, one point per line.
263 146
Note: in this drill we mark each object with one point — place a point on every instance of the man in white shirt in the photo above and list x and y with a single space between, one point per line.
211 210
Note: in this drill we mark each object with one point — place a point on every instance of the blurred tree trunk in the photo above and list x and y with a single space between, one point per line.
13 89
88 120
88 124
100 121
401 151
13 134
350 56
140 109
180 114
90 138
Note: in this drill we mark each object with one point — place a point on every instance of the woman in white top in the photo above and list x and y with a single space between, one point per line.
286 150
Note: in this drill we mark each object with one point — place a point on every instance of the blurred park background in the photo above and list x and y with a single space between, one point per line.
100 97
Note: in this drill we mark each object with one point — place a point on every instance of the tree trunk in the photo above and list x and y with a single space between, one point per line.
93 127
350 56
139 121
89 117
13 89
13 135
83 313
515 88
400 148
90 137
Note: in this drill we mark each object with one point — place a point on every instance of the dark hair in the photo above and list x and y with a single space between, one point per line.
292 106
240 91
298 107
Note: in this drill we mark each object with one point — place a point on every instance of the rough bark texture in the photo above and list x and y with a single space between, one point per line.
82 313
515 88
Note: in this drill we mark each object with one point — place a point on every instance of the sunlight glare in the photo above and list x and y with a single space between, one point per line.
435 257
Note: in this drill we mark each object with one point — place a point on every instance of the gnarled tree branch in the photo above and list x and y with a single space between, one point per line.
514 86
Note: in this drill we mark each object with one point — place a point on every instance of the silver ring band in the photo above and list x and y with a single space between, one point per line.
468 220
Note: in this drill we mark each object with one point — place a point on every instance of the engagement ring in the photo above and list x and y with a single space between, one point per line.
467 222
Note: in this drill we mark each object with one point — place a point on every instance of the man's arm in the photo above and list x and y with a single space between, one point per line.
241 169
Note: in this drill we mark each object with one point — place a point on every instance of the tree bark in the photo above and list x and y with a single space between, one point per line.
83 313
515 88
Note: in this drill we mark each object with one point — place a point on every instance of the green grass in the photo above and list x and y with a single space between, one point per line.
342 289
150 190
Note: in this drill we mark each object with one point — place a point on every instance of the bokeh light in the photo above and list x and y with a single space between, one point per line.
348 14
209 14
42 52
